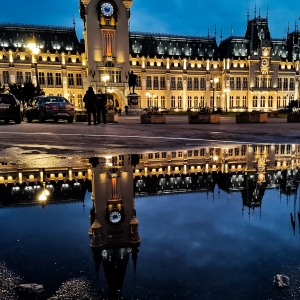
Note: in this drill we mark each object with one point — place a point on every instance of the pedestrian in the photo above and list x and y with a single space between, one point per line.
116 110
126 109
90 104
101 106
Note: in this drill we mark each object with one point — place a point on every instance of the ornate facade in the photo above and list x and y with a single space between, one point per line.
254 71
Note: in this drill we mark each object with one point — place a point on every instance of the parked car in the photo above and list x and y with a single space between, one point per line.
50 107
10 108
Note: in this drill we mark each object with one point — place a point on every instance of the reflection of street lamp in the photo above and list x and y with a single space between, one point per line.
226 91
35 51
44 195
105 78
214 82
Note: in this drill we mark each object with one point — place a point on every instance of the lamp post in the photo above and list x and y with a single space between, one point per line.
105 78
214 81
227 90
32 46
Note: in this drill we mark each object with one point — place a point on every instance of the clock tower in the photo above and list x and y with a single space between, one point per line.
106 37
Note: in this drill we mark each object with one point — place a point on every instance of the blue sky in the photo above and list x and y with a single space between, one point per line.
183 17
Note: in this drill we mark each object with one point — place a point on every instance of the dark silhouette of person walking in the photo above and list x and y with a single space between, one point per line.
90 103
101 106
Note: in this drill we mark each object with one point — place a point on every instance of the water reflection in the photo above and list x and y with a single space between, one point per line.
114 226
244 175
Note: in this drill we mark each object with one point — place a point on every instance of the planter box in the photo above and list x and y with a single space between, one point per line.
153 119
293 117
81 118
112 119
204 119
251 118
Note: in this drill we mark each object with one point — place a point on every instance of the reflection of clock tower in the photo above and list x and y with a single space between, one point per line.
114 216
106 36
114 227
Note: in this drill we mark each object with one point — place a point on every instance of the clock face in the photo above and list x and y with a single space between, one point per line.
115 217
264 62
261 168
261 177
107 9
265 52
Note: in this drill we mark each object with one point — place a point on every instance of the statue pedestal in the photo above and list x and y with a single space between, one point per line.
133 104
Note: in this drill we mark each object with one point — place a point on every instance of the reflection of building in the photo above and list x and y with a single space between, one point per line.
247 168
28 195
22 184
114 227
253 71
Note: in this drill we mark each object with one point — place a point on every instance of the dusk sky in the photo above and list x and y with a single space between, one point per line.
182 17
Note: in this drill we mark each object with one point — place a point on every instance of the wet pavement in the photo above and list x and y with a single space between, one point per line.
211 227
130 136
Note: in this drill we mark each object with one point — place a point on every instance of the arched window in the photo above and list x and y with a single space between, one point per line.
179 102
163 101
69 59
244 101
270 101
155 64
48 58
109 64
278 102
231 101
79 99
284 101
56 58
130 63
77 60
40 58
202 103
237 101
196 103
173 103
148 63
72 98
172 64
162 64
262 101
137 63
189 104
255 101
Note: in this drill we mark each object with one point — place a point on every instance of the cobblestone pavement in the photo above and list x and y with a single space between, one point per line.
129 136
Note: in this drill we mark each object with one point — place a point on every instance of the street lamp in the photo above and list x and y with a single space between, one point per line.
105 78
32 46
214 82
226 91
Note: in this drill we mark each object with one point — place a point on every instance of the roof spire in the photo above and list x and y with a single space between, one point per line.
267 14
221 36
255 11
215 30
208 33
259 13
74 23
231 29
247 14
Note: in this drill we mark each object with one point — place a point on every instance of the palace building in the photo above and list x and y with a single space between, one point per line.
250 72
